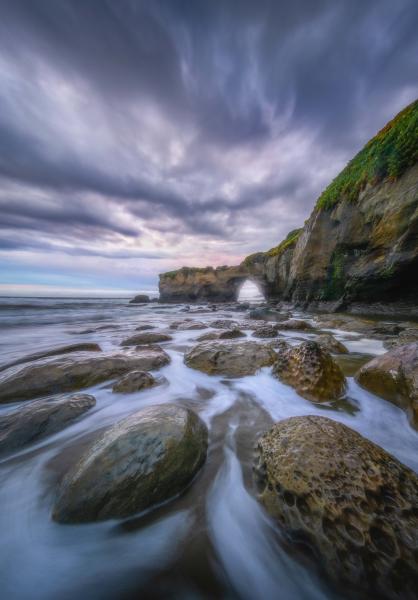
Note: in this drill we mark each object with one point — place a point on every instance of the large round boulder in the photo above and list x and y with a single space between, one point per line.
353 503
39 419
394 376
140 299
312 371
143 460
234 359
67 374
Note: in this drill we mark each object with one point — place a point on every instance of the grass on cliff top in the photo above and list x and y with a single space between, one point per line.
289 241
386 156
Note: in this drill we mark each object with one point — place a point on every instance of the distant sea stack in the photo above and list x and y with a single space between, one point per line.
357 251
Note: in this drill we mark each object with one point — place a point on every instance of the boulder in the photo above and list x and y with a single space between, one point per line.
188 325
140 299
263 313
52 352
234 359
141 339
266 331
408 336
350 501
143 460
228 334
296 324
331 344
133 382
223 324
312 371
40 419
394 376
144 327
73 373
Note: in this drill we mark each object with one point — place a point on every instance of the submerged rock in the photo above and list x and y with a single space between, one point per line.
145 459
394 376
235 359
347 498
140 299
87 347
264 313
188 325
133 382
141 339
73 373
331 344
312 371
40 419
144 327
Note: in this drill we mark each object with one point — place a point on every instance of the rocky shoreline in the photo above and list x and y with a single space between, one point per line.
321 482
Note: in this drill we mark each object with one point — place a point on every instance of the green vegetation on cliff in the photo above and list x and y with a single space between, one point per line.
386 156
290 240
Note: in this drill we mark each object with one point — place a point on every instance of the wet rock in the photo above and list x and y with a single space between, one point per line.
228 334
140 299
312 371
52 352
347 498
73 373
141 339
296 324
394 376
330 343
267 314
408 336
266 331
40 419
133 382
143 460
234 359
223 324
144 327
192 326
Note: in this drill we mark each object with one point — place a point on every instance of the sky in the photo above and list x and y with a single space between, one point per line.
137 137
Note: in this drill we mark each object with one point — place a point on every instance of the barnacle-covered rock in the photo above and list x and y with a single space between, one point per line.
266 331
348 499
312 371
230 358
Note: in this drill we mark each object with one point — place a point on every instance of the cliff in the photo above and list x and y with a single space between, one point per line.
359 246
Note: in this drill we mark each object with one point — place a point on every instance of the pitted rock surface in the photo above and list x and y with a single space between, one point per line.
230 358
296 324
312 371
266 331
143 460
352 502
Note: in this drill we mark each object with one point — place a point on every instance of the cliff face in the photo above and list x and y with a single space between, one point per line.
193 284
360 244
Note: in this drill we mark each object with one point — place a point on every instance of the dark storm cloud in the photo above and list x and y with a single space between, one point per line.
211 120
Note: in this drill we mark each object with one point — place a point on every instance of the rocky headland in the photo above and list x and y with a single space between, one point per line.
358 251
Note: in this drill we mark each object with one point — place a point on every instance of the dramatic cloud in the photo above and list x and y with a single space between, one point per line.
138 136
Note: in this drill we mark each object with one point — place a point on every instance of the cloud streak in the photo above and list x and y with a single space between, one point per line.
160 133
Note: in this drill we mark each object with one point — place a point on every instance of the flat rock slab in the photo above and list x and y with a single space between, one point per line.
354 503
73 373
394 376
230 358
145 459
146 338
52 352
40 419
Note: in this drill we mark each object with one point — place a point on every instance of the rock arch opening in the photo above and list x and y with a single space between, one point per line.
250 292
